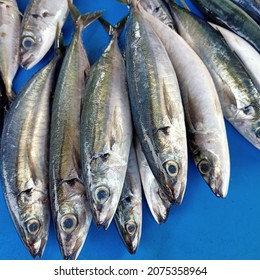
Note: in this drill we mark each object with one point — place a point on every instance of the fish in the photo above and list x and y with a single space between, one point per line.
252 7
128 216
24 157
10 26
156 199
156 105
229 15
39 24
205 125
105 133
246 53
239 97
158 9
70 206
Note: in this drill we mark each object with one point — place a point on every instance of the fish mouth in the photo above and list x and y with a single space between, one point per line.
36 249
71 253
27 61
103 217
219 188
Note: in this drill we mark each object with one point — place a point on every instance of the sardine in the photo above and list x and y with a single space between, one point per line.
239 98
128 216
204 118
228 14
156 105
24 158
157 200
70 207
252 7
39 25
246 53
10 25
106 133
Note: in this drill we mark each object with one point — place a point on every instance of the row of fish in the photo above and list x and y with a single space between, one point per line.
179 86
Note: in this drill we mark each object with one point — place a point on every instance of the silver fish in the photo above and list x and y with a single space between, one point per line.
10 25
39 25
24 158
239 97
70 207
156 105
203 114
128 216
106 133
157 200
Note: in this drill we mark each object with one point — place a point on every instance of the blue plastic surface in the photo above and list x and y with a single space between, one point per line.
203 227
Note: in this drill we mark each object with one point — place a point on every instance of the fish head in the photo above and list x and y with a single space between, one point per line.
213 164
247 122
34 220
72 221
35 43
129 224
106 176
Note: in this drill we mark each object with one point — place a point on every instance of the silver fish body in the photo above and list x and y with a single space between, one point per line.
70 207
24 158
203 114
239 97
157 200
106 133
228 14
10 25
128 216
40 21
156 105
247 53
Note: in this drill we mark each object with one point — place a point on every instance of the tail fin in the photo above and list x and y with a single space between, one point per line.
82 21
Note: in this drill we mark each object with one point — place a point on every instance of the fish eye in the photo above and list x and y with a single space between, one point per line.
248 110
257 132
68 223
33 226
204 166
172 168
131 227
102 194
28 42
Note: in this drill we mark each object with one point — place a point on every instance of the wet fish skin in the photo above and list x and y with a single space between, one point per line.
156 106
252 7
70 207
40 22
106 133
238 95
228 14
10 25
204 118
246 52
128 216
24 154
158 9
157 200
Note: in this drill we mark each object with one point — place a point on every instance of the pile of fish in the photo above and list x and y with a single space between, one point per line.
83 141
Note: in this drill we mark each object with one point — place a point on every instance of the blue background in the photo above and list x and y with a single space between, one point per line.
203 227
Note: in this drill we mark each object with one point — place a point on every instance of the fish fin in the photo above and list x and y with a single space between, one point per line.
82 20
111 30
185 5
58 45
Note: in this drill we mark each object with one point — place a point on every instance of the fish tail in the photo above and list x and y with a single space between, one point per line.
82 21
113 30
